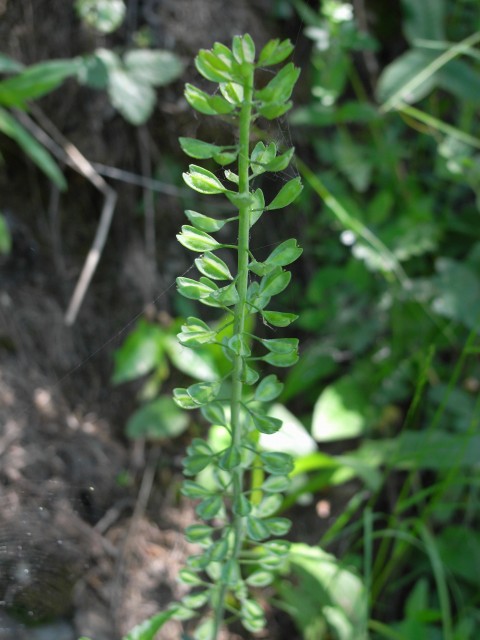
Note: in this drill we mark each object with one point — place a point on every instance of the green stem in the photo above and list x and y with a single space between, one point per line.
238 329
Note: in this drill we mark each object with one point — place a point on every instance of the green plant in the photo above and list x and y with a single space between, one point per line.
239 509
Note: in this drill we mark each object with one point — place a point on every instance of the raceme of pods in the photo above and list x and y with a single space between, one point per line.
239 532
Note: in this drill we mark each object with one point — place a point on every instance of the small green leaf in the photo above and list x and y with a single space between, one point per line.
214 413
261 156
204 181
199 447
252 616
195 332
277 463
256 529
192 465
248 375
260 579
214 67
196 240
281 162
233 177
265 424
219 550
194 490
268 389
193 289
273 110
203 392
195 600
278 318
225 296
287 194
230 459
281 345
213 267
268 506
209 507
242 506
233 92
274 52
198 149
243 48
159 419
278 526
189 577
281 359
198 532
239 345
276 484
286 253
260 268
199 100
257 206
274 282
280 88
204 223
183 400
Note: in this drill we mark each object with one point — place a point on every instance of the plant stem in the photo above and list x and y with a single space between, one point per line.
238 329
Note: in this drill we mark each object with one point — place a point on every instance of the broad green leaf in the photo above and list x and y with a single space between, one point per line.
397 76
203 392
340 411
193 289
141 352
5 237
147 630
274 282
154 67
95 68
36 81
203 181
38 154
281 345
268 389
424 20
281 359
280 88
274 52
277 463
287 194
209 508
257 529
264 423
132 97
461 79
157 420
198 149
279 318
286 253
213 267
103 15
204 223
243 48
196 240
